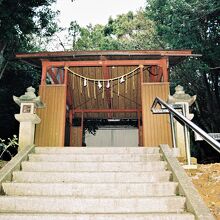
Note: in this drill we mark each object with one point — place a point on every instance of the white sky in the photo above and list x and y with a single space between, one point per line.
94 11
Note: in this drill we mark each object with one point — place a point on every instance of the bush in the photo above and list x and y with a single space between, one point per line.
9 149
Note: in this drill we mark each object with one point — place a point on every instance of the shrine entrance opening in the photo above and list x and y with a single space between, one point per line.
111 133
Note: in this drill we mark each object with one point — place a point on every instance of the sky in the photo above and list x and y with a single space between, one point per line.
86 12
94 11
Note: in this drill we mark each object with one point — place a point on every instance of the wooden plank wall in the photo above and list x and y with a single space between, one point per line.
51 130
156 127
128 98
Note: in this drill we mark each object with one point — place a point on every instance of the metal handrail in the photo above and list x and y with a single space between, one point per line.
169 109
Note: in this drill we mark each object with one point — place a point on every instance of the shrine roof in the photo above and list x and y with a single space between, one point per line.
174 56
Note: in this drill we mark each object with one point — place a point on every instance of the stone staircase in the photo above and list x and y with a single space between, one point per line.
93 184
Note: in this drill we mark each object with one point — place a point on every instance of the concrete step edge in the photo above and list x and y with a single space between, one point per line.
96 157
93 166
87 190
100 163
92 177
106 150
95 184
71 205
144 216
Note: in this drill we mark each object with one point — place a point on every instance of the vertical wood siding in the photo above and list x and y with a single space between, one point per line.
51 130
156 127
127 99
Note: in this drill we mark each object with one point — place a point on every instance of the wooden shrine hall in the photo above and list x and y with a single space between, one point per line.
98 85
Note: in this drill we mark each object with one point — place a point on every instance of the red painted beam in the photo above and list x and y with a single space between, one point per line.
103 63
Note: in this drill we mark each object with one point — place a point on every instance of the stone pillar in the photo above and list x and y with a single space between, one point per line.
184 100
27 117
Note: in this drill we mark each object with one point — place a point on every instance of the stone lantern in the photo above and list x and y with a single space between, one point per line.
27 117
184 100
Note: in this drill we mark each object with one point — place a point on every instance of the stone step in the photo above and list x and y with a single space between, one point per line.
95 157
93 166
96 150
91 190
92 177
44 204
145 216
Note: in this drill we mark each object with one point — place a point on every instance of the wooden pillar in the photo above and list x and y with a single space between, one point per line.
65 103
141 79
139 128
65 76
152 73
71 124
141 95
141 74
82 119
44 72
160 74
165 66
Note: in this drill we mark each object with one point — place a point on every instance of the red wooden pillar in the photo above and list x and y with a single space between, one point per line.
65 103
141 79
139 113
65 76
71 125
153 74
141 74
139 127
44 72
82 120
165 65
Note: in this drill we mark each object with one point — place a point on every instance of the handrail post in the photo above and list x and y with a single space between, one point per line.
186 137
173 130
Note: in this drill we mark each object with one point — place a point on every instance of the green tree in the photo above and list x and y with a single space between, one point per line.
133 31
19 21
184 24
73 32
22 22
90 38
126 31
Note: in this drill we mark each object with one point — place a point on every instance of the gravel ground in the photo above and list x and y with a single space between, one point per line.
207 181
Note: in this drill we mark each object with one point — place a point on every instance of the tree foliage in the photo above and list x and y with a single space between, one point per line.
21 22
126 31
193 24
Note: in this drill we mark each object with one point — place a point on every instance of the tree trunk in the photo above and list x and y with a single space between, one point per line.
3 64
